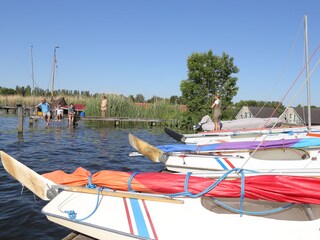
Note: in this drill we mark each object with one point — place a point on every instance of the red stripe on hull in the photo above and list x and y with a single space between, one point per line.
128 215
150 220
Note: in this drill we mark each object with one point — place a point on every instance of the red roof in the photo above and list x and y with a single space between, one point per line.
78 107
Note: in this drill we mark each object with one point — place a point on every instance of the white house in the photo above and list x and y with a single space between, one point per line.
291 116
258 112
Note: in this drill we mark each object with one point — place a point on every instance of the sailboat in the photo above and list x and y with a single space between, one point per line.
125 205
54 103
240 135
295 153
61 101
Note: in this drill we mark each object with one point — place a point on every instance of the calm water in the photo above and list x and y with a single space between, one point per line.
93 146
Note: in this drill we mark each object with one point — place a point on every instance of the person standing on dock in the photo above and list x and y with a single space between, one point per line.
45 108
104 103
216 106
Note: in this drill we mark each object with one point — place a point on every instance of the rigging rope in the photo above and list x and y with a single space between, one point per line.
73 215
304 82
287 57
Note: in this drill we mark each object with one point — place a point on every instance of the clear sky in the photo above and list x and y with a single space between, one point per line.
135 47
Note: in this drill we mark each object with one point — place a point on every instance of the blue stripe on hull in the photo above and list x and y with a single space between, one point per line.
221 163
138 216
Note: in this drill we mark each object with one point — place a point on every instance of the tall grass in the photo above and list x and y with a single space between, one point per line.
120 106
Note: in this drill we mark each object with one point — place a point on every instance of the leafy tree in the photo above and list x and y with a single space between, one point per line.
7 91
175 100
154 99
28 90
131 98
85 93
208 74
19 90
139 98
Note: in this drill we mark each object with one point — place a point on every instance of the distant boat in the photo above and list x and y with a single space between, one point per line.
241 135
54 103
269 155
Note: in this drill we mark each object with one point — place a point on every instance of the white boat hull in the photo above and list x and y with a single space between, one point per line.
123 218
246 135
260 160
124 215
201 140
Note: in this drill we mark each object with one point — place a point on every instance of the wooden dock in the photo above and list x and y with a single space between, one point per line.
9 109
116 121
119 120
13 110
77 236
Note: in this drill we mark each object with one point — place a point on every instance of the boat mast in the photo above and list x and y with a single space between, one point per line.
34 95
307 70
53 71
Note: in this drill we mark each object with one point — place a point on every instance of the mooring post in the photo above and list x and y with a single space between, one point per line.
20 118
30 113
30 120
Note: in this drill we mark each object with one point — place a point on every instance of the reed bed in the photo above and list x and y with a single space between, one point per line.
120 106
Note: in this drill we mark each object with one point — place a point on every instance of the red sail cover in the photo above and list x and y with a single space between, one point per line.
279 188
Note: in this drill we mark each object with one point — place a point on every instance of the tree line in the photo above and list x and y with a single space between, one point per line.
27 91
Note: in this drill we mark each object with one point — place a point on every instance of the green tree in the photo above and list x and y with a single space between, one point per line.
139 98
28 91
85 93
175 100
131 98
7 91
154 99
208 74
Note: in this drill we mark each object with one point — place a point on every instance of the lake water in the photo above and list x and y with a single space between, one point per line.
94 146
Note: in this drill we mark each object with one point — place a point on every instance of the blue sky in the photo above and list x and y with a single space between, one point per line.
141 47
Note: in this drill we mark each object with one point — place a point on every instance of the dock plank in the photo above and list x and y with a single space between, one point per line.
77 236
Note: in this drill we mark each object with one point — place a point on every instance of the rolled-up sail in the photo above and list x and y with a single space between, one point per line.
279 188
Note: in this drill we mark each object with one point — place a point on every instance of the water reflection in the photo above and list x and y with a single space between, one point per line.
20 137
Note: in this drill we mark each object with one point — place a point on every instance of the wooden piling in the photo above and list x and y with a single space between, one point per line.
20 118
